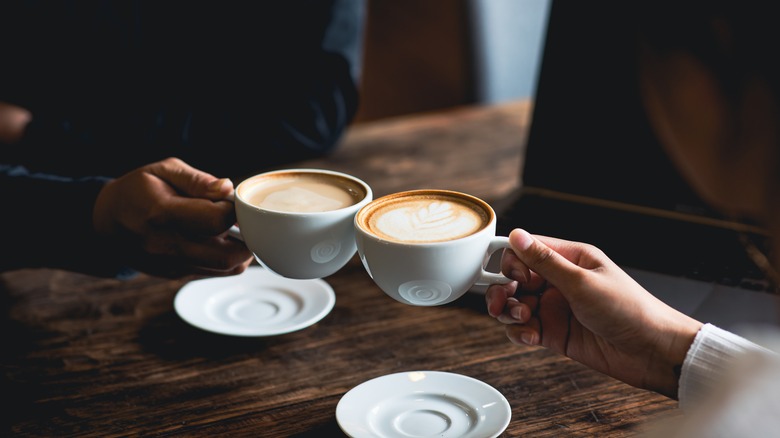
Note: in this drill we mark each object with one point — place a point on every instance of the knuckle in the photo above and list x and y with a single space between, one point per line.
590 248
542 256
172 161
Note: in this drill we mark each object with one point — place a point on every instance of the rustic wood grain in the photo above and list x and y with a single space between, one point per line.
85 356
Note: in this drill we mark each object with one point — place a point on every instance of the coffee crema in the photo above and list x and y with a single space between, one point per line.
424 216
301 192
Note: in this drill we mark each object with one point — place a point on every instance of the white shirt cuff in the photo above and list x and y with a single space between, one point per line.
712 355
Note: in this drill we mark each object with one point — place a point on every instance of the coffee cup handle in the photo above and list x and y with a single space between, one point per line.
487 277
235 233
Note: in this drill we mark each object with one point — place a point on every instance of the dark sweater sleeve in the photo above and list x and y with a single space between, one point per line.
48 224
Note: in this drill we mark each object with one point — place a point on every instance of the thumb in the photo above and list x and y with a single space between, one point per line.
190 181
543 259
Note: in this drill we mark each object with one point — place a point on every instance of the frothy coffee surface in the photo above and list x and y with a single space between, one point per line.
302 192
424 217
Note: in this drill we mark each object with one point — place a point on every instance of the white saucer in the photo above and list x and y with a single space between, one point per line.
256 302
423 404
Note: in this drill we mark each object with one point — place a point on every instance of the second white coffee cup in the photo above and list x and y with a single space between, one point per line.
428 247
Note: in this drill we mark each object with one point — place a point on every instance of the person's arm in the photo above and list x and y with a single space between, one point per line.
47 222
571 298
165 218
729 387
710 361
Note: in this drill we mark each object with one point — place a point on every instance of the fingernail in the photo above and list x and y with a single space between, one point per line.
515 313
523 239
527 338
487 304
219 185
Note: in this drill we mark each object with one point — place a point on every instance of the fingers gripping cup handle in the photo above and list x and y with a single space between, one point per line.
487 277
235 233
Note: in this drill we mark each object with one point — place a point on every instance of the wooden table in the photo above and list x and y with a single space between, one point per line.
85 356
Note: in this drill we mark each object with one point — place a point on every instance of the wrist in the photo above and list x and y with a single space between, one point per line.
673 345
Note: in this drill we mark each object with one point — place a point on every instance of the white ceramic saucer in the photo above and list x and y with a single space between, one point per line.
420 404
256 302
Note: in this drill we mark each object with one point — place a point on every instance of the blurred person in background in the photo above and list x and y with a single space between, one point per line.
123 124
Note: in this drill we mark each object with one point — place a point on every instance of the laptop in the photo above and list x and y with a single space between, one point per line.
594 172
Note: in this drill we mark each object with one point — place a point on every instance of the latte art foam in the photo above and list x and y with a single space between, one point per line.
421 219
303 199
298 192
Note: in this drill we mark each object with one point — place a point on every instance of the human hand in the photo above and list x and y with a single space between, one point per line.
13 120
570 297
171 219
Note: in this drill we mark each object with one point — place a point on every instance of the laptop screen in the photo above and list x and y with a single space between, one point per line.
593 170
589 135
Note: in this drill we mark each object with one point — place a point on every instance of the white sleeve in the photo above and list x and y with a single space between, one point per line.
729 386
712 356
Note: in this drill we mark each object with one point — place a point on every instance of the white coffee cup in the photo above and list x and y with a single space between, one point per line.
428 247
299 223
